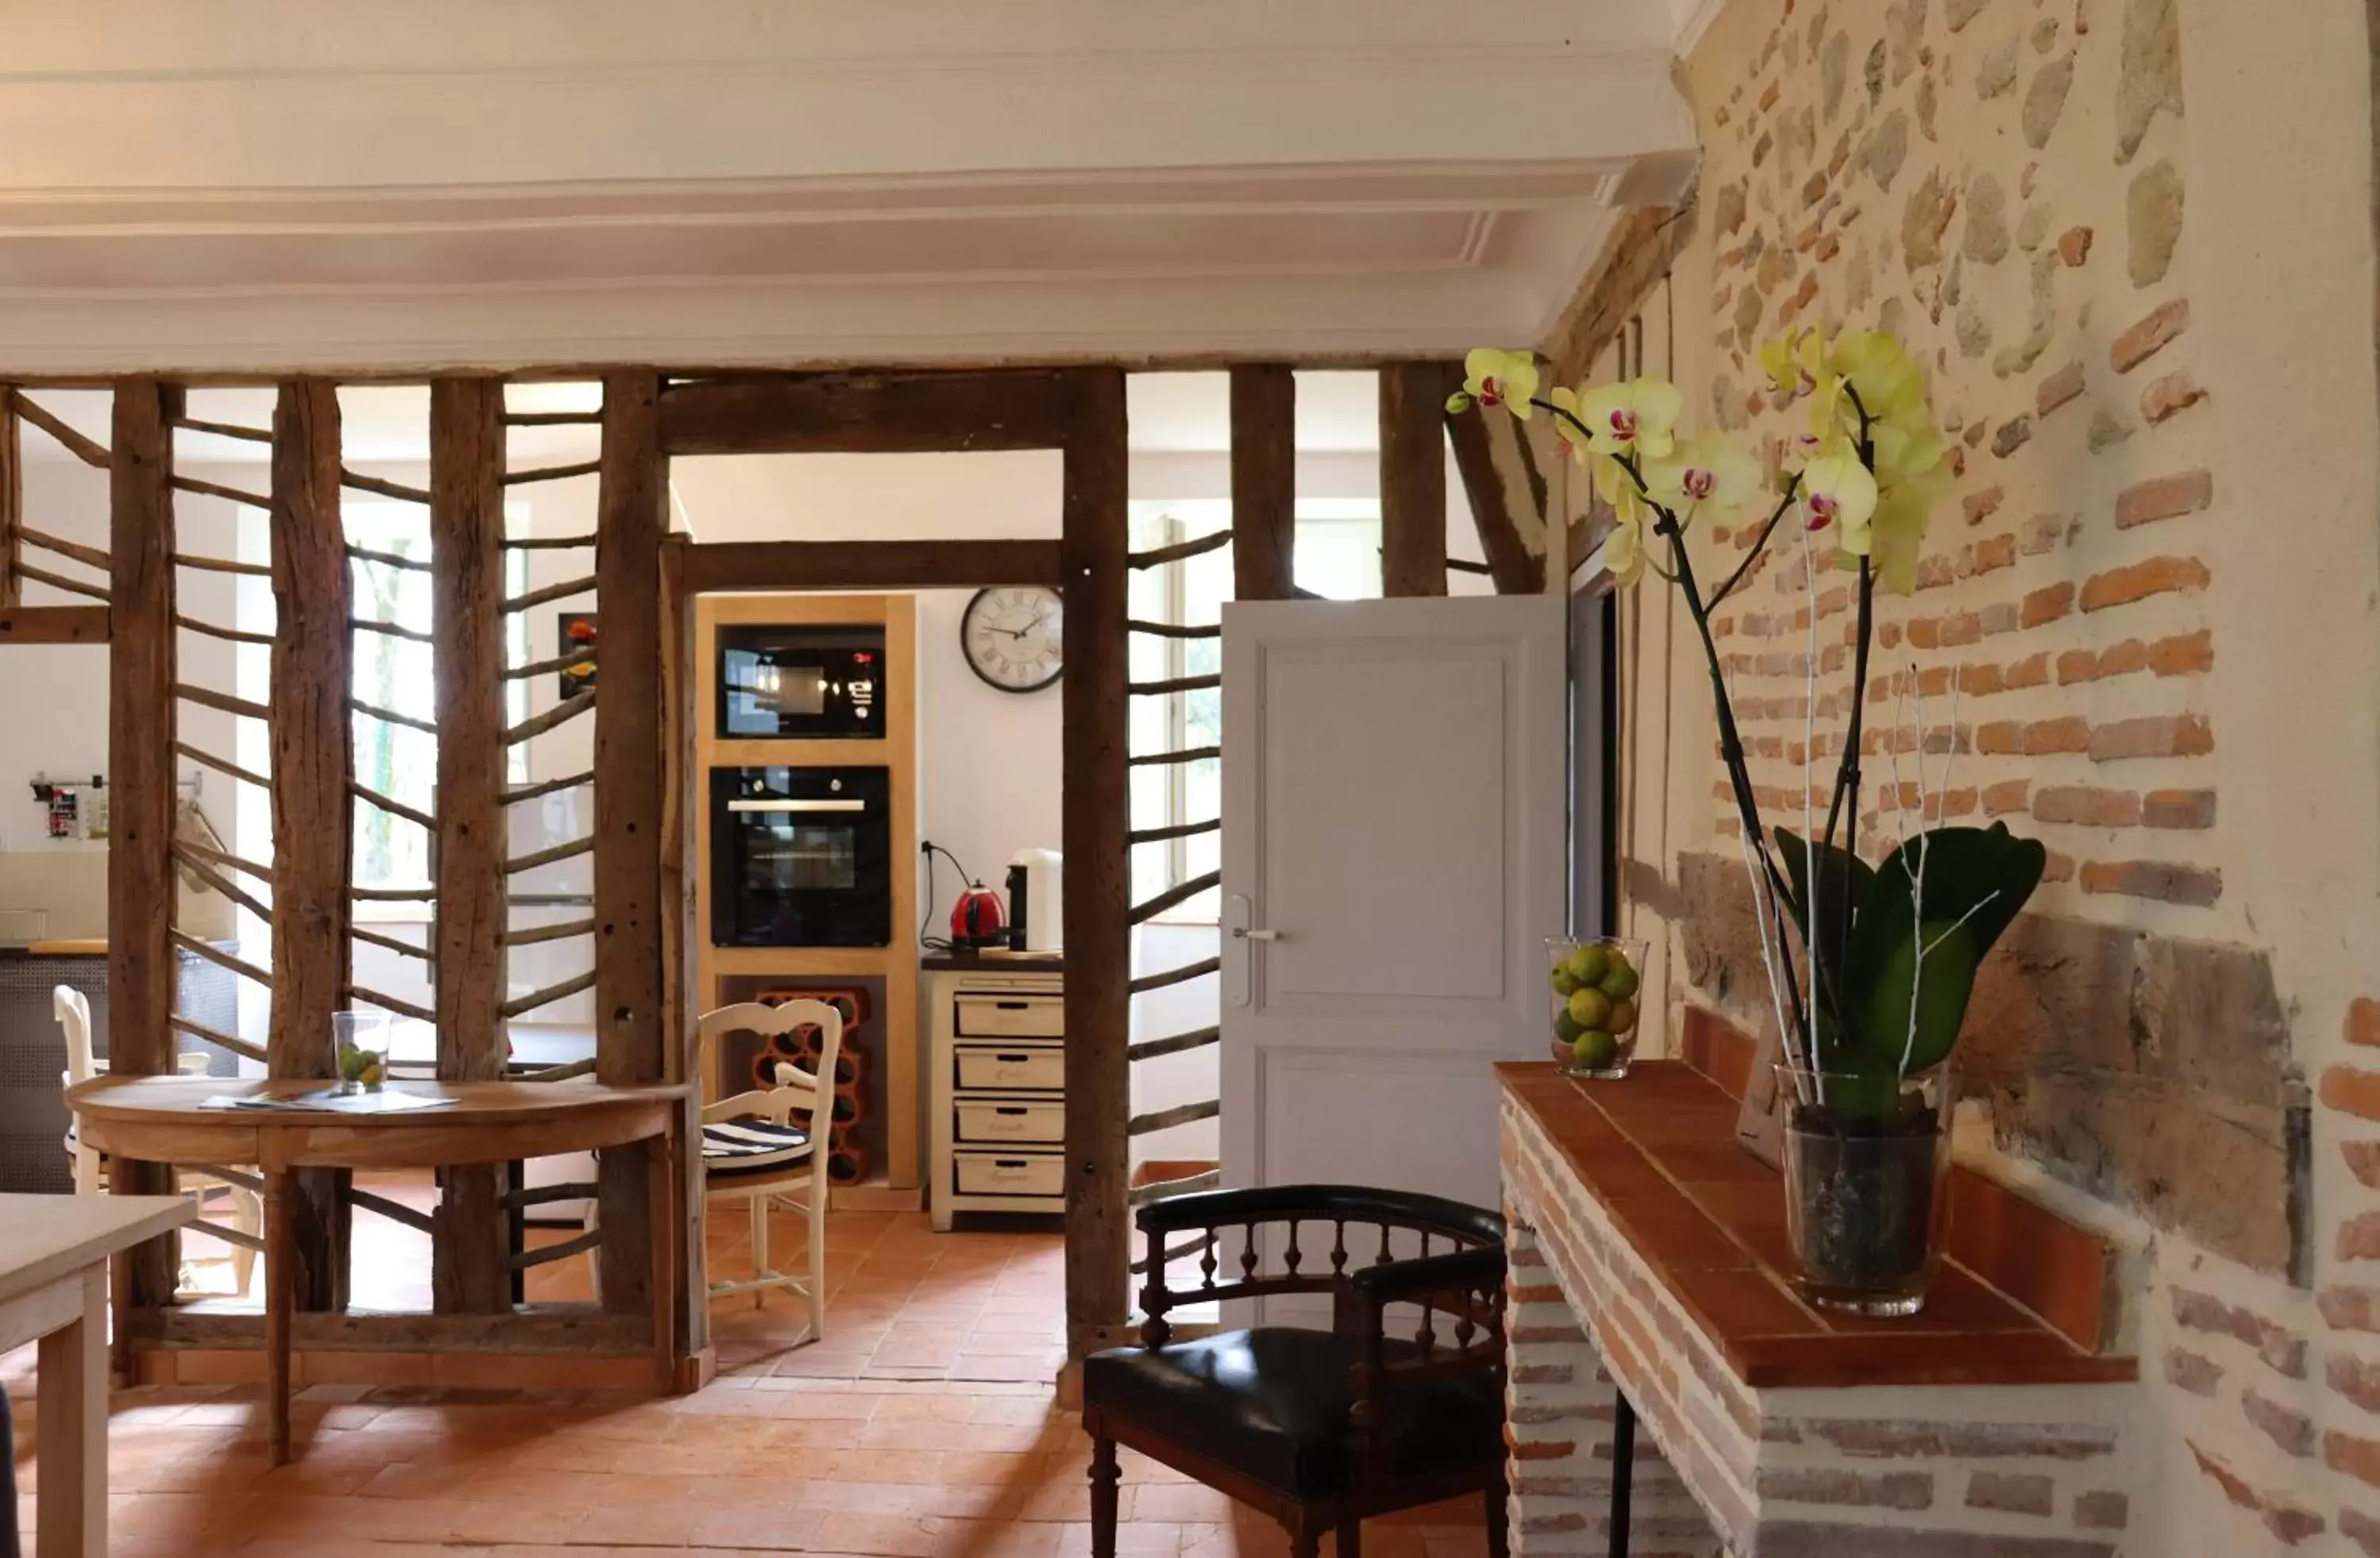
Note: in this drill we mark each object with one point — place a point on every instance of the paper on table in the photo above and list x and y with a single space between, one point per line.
331 1098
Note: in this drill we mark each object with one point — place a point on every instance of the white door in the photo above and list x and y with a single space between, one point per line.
1394 855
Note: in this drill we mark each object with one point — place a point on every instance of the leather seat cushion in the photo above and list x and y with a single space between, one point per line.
1272 1404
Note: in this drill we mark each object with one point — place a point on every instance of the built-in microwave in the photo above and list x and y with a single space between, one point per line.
801 857
809 680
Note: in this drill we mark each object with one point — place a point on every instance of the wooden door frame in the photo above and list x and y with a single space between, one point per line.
1080 413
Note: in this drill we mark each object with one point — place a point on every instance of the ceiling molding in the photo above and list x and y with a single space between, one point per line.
1697 22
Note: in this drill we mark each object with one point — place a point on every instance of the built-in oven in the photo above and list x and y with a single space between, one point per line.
801 857
805 681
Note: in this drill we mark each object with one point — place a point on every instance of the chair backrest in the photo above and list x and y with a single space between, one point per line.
74 1015
795 1091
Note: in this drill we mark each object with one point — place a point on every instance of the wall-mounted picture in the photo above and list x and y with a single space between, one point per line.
574 633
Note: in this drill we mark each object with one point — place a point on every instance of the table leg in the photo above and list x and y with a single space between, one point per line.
1623 1470
664 1275
70 1441
280 1302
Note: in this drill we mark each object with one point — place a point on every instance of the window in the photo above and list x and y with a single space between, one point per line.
1338 555
398 674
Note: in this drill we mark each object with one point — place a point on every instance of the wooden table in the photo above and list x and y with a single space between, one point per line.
161 1119
54 1255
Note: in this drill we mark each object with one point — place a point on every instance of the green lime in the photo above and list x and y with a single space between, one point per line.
1620 983
1623 1016
1589 962
1567 1028
1565 981
1596 1050
1590 1007
351 1063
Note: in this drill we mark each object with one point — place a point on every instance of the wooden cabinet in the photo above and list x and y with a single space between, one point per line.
997 1101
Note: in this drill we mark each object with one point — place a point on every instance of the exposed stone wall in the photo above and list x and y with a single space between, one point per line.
2132 241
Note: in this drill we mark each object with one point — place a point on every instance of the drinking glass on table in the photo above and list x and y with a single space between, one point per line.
359 1044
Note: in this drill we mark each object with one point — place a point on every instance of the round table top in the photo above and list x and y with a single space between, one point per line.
474 1103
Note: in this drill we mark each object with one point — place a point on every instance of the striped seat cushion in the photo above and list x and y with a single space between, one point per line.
734 1145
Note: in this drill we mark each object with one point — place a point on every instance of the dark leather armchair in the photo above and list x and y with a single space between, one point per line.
1318 1429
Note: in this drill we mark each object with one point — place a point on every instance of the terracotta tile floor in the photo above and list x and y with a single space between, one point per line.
922 1426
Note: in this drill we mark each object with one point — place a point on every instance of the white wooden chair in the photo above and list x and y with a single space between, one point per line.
247 1208
752 1148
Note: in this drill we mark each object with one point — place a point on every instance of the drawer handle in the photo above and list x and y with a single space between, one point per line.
1012 1060
1011 1163
1008 1109
1014 1005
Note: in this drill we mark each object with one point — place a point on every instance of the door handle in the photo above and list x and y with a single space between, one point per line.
1241 933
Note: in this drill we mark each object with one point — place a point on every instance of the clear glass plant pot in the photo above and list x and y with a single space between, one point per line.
1596 995
1867 1176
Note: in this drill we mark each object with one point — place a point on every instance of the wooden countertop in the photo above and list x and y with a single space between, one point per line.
975 963
1657 1151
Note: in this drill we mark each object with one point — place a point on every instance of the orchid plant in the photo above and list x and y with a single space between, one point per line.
1870 968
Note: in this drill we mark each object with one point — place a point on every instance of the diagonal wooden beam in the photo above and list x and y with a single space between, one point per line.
1507 496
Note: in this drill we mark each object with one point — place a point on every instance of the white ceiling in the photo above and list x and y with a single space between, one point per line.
267 184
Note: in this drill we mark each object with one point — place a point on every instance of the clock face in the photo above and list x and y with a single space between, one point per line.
1015 637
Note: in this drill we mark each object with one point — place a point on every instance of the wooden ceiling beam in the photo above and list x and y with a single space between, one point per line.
868 413
870 565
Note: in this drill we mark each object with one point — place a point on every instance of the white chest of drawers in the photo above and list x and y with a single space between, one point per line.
997 1102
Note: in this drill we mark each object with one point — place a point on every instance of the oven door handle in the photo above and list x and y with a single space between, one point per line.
797 806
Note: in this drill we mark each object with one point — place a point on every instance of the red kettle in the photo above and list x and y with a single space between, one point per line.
975 918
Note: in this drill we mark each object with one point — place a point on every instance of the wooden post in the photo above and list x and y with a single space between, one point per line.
632 517
467 591
141 961
1098 898
12 500
681 832
314 770
1412 478
1264 481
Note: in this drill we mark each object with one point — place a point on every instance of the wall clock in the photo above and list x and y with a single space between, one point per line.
1015 637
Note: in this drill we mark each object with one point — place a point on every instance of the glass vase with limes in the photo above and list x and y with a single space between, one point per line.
1594 987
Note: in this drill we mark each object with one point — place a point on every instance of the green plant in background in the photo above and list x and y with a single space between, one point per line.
1870 968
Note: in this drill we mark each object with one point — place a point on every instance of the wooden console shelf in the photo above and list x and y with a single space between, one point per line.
1657 1152
1650 1287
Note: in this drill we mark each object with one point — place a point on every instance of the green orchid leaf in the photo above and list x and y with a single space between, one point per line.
1978 877
1913 1030
1844 882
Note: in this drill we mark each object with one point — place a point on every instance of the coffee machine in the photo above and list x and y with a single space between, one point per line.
1036 912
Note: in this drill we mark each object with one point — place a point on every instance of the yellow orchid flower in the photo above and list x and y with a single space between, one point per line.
1615 486
1637 418
1905 451
1623 552
1496 378
1837 490
1795 361
1709 469
1889 385
1568 427
1897 530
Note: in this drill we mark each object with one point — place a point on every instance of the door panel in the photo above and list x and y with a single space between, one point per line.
1394 814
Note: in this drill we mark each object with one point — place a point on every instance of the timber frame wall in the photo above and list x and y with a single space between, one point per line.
646 808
